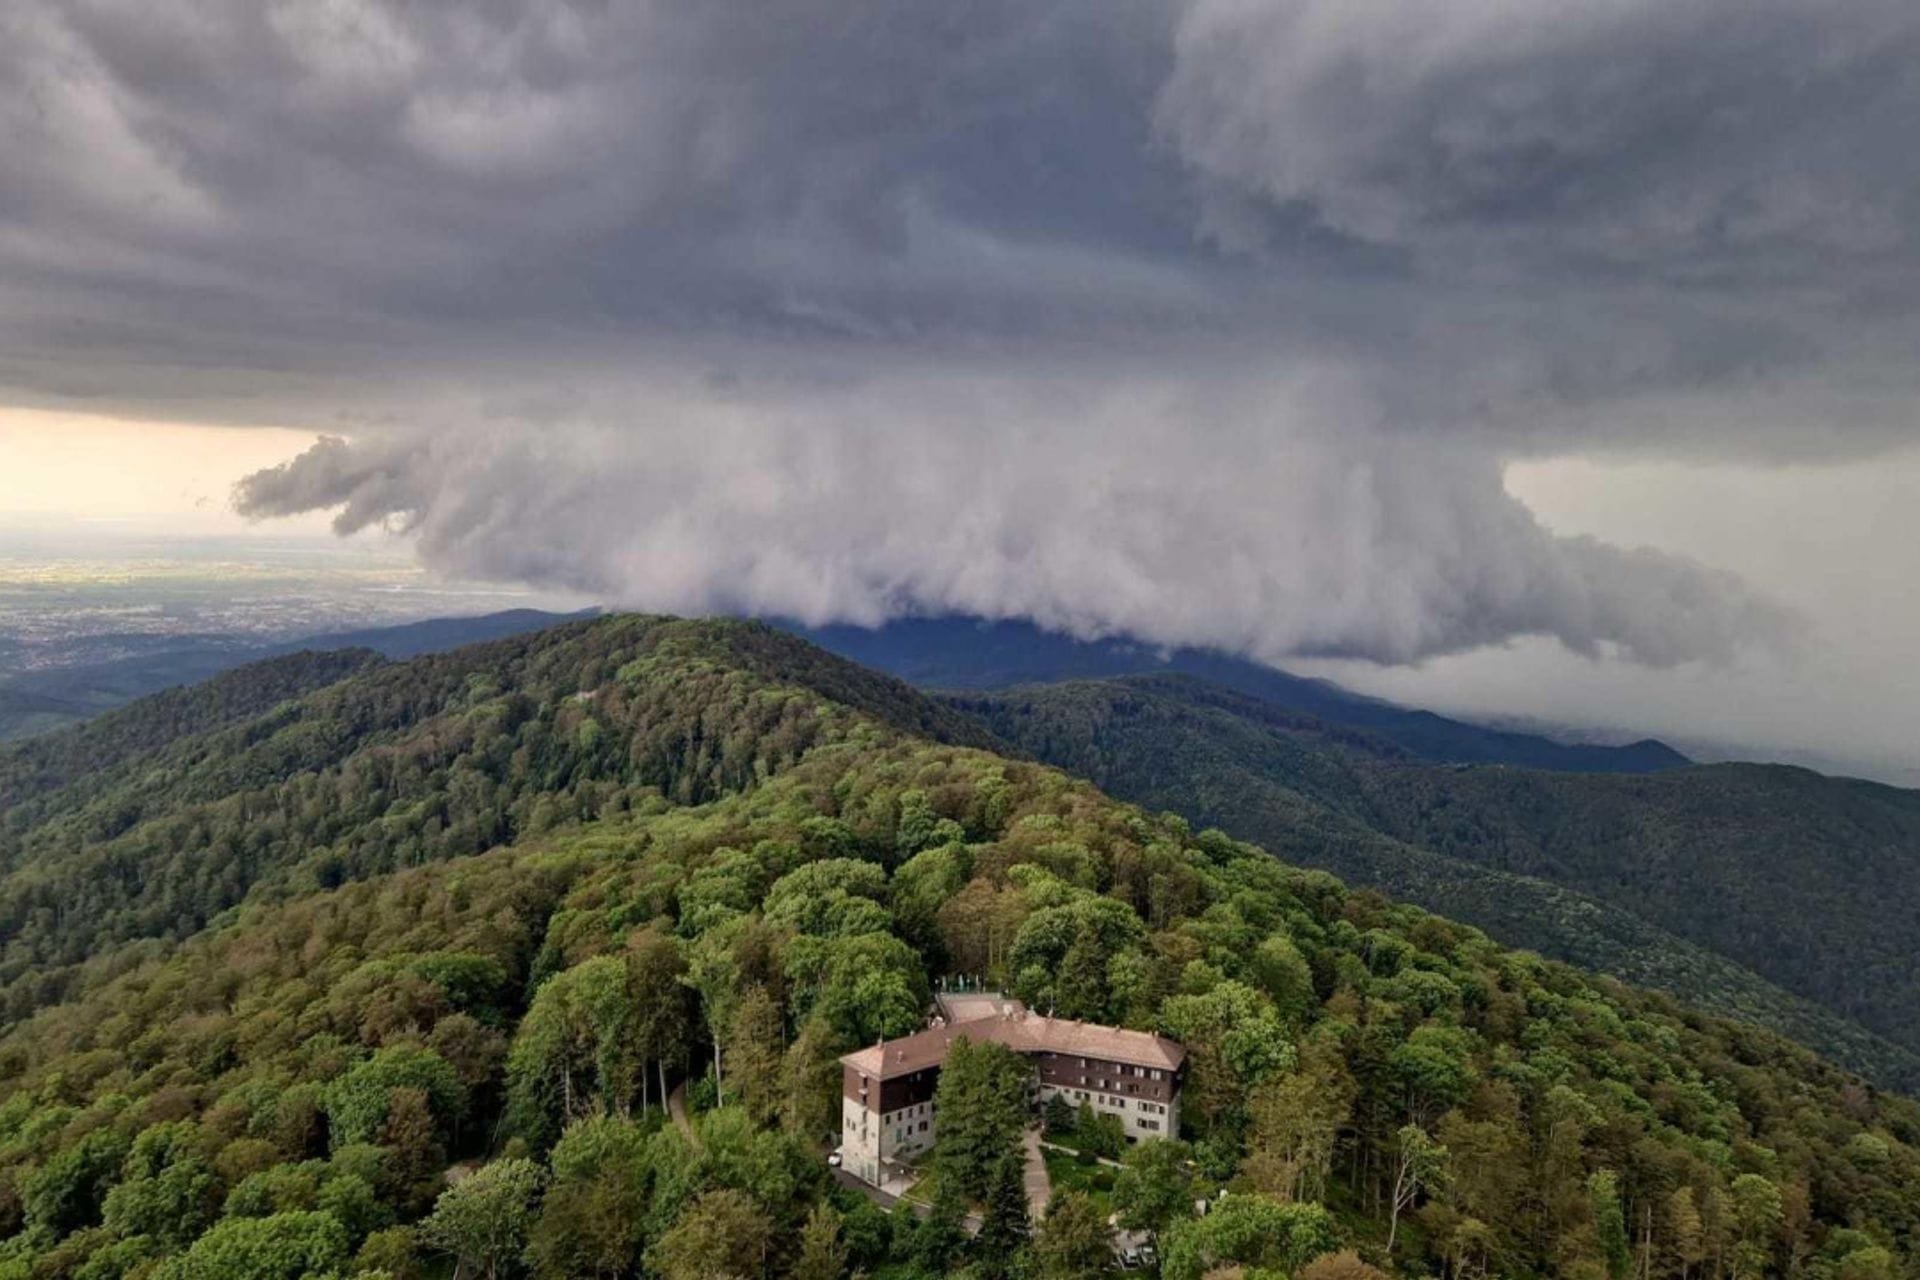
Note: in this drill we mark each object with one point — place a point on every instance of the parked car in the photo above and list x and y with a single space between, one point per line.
833 1161
1147 1256
1129 1259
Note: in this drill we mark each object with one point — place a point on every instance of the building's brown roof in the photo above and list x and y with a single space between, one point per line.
1022 1032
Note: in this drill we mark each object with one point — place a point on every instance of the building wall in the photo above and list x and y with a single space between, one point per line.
893 1120
883 1121
1140 1118
860 1141
913 1090
1116 1079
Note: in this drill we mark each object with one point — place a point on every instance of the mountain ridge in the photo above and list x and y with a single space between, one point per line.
959 654
480 910
1450 838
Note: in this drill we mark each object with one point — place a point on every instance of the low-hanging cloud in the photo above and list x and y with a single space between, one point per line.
1211 321
1263 538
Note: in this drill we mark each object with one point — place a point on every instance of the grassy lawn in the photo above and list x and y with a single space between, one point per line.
1068 1174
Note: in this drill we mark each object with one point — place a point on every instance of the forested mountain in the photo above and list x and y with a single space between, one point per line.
961 653
1761 891
52 761
54 697
390 980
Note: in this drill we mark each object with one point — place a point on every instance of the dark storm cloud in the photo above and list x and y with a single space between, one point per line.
1213 321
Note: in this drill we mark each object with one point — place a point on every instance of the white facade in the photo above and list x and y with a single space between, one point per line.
869 1140
1139 1117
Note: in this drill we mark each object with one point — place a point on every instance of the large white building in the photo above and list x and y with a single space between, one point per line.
887 1089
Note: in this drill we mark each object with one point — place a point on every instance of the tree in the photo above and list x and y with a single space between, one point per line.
1250 1231
1346 1265
592 1218
358 1102
284 1246
1757 1216
663 1022
1155 1186
389 1252
1686 1234
1609 1221
823 1255
868 987
1296 1118
1099 1133
1005 1226
1057 1116
1419 1163
484 1219
577 1048
831 897
919 827
1469 1248
1073 1242
921 885
756 1039
1283 973
1233 1041
168 1191
721 1234
1433 1069
982 1104
810 1083
415 1158
979 923
938 1238
1080 984
66 1192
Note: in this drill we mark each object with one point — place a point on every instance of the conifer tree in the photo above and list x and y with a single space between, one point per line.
1006 1229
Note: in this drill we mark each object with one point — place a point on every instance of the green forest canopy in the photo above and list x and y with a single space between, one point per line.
394 973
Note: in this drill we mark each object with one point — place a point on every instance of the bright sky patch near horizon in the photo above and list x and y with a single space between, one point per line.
178 476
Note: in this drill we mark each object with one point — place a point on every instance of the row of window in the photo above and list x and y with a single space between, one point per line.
1118 1104
1144 1073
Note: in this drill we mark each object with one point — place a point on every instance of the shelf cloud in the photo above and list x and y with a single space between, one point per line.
1208 321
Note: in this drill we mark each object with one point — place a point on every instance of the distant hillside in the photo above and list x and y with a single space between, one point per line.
968 653
60 759
38 701
391 980
23 712
1813 882
1768 893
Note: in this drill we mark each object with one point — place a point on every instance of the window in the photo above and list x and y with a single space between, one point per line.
1150 1124
1156 1074
923 1126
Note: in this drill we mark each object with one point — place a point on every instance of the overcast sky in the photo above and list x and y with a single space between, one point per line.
1516 356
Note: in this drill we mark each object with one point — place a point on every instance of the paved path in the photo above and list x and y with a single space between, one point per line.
1039 1185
